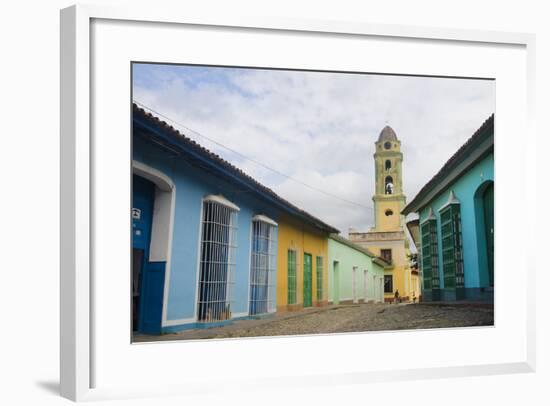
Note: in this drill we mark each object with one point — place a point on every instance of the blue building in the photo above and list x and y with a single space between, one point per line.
204 234
455 226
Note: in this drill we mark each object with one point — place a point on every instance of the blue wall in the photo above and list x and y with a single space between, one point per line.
192 185
465 188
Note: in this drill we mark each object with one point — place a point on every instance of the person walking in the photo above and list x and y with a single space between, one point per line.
396 296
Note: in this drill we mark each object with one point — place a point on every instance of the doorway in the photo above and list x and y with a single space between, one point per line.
152 213
488 212
365 287
336 280
143 198
354 284
484 218
307 280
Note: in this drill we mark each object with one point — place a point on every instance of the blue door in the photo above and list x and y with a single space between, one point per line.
147 277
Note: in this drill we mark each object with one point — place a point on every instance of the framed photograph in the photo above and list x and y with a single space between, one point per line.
243 195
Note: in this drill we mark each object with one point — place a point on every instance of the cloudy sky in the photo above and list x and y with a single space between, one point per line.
319 128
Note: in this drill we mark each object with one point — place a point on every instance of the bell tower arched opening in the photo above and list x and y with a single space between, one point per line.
388 185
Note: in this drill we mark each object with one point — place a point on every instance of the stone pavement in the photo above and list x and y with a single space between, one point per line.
346 318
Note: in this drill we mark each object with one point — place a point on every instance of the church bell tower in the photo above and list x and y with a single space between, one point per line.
387 238
388 197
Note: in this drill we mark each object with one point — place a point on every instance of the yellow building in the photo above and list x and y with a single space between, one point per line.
302 264
387 238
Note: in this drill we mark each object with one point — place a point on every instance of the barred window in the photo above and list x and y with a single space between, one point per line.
262 264
217 259
451 237
430 255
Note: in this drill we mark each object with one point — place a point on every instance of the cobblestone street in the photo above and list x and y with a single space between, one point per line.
346 318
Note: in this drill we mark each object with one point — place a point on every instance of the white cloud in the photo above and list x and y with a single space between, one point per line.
320 128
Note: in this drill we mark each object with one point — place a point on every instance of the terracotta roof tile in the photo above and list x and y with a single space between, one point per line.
291 208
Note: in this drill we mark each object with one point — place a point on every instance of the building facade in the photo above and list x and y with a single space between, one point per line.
205 236
456 223
387 238
302 275
355 274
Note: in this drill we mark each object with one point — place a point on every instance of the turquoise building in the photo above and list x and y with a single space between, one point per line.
355 274
455 225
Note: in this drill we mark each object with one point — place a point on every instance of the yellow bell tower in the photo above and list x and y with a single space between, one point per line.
388 197
387 238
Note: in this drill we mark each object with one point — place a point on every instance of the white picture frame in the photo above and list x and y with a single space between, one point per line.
78 351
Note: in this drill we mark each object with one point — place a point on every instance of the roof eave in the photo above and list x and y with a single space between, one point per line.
435 186
249 183
381 262
351 244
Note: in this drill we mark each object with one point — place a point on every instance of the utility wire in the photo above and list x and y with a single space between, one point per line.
252 159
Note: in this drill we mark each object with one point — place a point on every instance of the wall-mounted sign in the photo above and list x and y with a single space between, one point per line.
136 213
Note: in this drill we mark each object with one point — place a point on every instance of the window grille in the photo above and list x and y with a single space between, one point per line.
217 261
291 274
451 236
430 255
319 274
262 265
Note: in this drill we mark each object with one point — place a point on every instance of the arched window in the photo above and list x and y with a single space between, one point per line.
388 185
388 164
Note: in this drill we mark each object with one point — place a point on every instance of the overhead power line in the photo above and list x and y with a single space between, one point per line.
251 159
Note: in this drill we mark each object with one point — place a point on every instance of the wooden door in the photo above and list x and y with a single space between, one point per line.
307 280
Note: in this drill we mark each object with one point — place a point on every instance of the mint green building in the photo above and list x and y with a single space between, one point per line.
355 275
